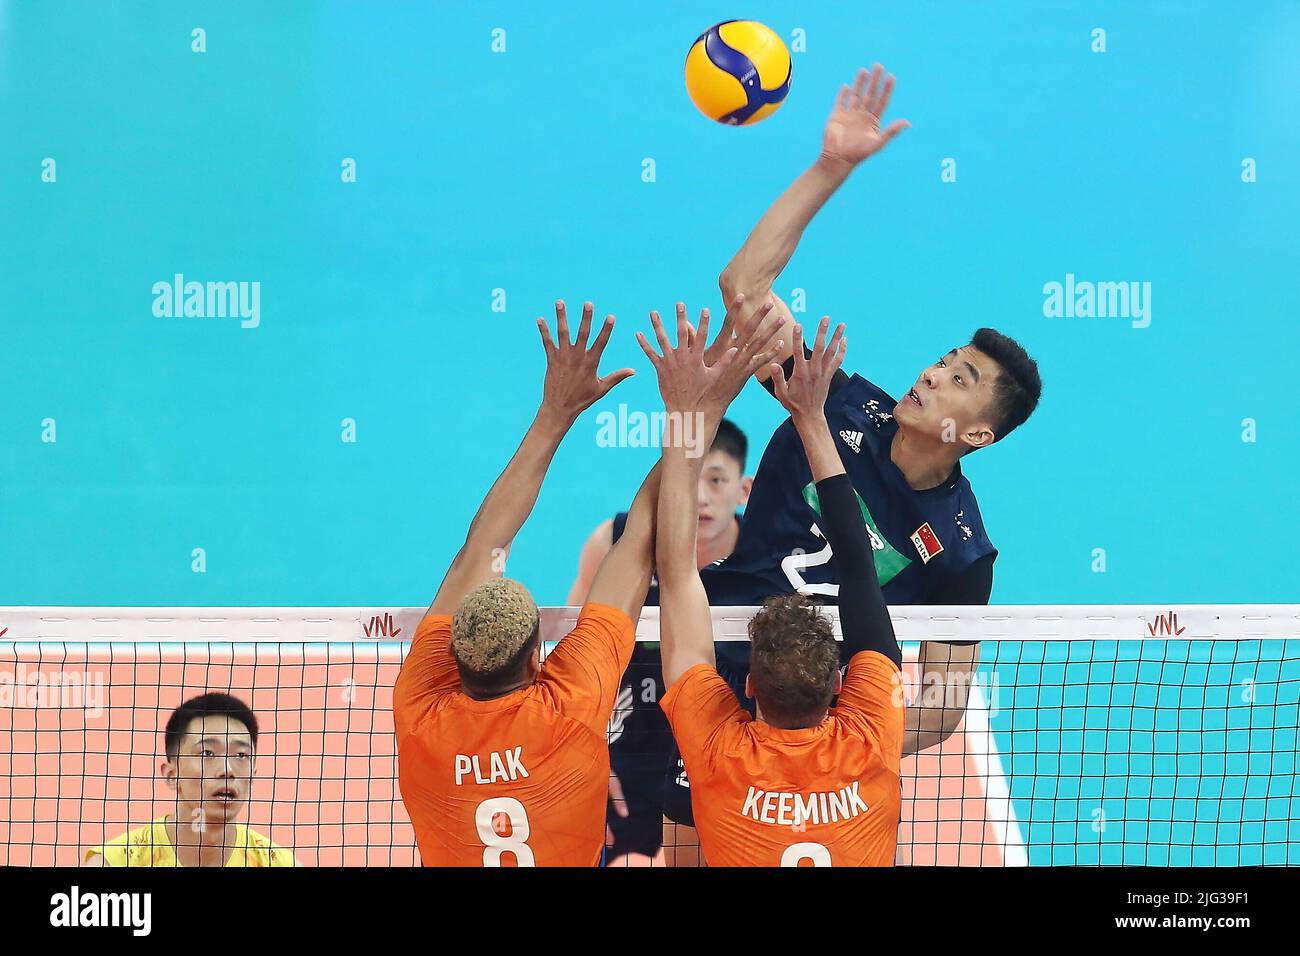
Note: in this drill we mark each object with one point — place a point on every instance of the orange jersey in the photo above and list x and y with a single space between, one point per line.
520 780
820 796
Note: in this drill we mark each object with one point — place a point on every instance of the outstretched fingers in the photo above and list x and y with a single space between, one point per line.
650 353
820 342
661 334
869 102
764 332
562 322
584 327
844 101
882 95
759 326
834 354
548 343
780 387
701 340
763 346
602 338
859 96
797 346
768 356
729 318
683 327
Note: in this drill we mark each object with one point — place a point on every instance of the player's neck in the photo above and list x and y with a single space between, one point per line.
924 461
787 724
717 547
475 694
199 843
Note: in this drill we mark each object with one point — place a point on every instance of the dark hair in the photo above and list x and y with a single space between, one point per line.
1017 389
732 441
202 706
793 662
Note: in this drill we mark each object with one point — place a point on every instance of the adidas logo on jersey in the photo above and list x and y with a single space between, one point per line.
852 439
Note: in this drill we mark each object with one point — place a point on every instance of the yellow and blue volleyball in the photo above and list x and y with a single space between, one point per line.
738 72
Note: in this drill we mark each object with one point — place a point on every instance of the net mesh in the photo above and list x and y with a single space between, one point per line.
1088 736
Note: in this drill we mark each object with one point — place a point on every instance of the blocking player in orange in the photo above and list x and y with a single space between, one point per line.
801 784
502 761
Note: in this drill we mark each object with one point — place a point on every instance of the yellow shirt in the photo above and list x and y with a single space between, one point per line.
149 845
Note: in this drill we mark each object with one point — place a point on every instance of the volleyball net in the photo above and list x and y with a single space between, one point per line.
1088 735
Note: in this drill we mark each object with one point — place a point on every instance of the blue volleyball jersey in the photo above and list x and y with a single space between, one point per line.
920 539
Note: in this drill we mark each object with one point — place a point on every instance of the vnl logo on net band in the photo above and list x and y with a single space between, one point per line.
30 688
77 909
181 299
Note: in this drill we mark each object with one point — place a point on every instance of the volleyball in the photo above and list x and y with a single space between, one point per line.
738 72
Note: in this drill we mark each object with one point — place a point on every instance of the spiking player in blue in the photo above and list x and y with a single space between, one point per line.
903 454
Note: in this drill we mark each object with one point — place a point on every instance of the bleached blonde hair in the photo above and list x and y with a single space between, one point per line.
492 627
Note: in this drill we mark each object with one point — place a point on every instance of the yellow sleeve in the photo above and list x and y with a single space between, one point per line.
113 852
143 846
282 857
265 852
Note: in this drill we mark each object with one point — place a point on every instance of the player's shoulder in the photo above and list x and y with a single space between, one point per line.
970 532
873 663
261 850
701 695
603 615
863 414
701 675
872 675
863 391
433 625
146 845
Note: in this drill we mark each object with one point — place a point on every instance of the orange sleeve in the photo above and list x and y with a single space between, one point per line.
584 671
429 670
873 693
698 705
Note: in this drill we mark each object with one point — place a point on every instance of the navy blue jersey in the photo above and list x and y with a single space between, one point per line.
640 743
920 539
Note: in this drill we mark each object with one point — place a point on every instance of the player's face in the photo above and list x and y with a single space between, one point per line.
723 489
950 399
213 770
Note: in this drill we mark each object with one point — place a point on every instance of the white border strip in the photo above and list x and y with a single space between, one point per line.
1065 622
999 811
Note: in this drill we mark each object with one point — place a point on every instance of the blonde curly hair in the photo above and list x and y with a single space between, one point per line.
492 627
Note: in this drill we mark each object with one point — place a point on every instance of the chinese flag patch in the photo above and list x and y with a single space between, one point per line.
927 543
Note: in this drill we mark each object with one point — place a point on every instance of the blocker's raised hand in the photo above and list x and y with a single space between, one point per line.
691 379
806 390
573 383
